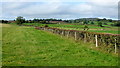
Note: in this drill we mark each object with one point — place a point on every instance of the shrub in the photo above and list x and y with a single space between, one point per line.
20 20
86 27
46 26
100 24
105 23
92 22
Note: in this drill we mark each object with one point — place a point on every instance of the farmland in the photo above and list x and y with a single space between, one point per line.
26 46
70 33
92 28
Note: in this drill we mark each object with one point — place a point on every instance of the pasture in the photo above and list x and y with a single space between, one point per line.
26 46
92 28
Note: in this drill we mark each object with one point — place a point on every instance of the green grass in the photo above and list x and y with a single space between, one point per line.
92 28
105 31
26 46
0 45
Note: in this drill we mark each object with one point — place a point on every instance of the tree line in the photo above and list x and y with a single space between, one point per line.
20 20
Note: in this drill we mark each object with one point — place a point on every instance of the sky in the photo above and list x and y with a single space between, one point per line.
60 9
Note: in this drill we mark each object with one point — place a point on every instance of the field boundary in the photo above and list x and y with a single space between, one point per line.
107 41
103 40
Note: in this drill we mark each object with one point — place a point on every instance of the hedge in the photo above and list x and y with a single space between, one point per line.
110 42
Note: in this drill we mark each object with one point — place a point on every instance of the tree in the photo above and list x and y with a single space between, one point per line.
46 26
4 21
36 20
110 20
100 24
98 20
116 24
92 22
105 23
43 22
86 27
85 22
104 19
20 20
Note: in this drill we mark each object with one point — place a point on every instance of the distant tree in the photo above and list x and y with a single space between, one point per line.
0 21
46 26
85 22
110 20
20 20
66 21
30 21
36 20
100 24
116 24
43 22
86 27
98 19
26 21
92 22
88 22
5 21
104 19
105 23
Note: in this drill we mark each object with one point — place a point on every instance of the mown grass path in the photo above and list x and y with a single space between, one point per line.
26 46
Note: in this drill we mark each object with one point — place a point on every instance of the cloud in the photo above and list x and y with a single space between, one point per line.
93 1
105 8
44 0
59 8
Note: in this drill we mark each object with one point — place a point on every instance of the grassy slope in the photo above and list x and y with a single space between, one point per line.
0 44
25 46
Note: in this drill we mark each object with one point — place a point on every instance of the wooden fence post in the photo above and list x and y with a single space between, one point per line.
62 33
68 34
75 36
56 31
44 28
96 40
59 32
52 31
84 38
115 46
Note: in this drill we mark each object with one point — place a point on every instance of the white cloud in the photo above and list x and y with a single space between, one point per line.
0 11
81 8
94 1
60 8
44 0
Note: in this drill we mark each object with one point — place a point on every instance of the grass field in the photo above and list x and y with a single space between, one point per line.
0 44
26 46
92 28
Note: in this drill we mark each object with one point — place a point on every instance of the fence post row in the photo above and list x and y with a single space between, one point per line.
67 33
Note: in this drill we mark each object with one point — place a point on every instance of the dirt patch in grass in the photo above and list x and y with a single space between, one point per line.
4 25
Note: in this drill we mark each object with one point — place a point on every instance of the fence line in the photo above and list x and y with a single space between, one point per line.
111 41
